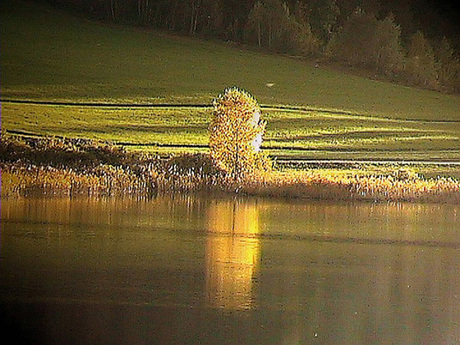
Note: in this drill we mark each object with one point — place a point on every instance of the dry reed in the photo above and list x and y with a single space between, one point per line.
68 167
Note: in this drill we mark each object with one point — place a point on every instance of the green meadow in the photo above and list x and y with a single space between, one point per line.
290 133
48 55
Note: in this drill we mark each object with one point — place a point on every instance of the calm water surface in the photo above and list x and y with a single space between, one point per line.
197 270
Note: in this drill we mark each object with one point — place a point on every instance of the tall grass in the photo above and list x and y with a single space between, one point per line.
329 185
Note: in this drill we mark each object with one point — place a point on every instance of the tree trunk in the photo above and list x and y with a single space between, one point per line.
237 158
194 16
112 9
172 25
259 39
270 35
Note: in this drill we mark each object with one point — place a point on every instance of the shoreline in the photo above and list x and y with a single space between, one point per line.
71 167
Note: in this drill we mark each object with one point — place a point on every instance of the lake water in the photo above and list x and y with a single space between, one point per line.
209 270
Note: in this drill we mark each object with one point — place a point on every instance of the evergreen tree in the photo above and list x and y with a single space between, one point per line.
322 16
448 66
367 42
389 54
355 44
421 66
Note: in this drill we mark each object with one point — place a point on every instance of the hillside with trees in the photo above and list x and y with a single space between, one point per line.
414 42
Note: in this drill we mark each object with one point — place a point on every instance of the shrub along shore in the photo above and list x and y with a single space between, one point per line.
69 167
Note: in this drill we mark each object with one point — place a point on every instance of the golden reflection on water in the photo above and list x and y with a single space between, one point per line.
232 254
332 272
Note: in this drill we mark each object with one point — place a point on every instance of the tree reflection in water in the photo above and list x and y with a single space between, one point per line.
232 254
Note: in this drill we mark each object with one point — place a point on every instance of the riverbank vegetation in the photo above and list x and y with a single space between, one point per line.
57 166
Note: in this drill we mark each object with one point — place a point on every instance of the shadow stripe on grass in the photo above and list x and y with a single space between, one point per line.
27 134
209 106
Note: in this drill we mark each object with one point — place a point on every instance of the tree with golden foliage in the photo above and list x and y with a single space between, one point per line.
236 134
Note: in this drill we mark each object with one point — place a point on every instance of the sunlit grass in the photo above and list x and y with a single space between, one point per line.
311 134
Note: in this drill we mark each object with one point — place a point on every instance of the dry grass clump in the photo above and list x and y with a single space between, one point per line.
189 173
298 184
389 188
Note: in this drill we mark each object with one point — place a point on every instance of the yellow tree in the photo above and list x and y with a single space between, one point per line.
236 133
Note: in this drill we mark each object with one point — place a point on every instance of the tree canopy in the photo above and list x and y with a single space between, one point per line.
236 132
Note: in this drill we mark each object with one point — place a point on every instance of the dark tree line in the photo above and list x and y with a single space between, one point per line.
413 41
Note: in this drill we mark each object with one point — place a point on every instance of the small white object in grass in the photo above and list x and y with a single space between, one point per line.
269 84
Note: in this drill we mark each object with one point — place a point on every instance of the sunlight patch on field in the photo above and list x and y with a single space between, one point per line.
309 134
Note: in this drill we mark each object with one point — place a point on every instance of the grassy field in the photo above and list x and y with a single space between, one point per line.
48 54
51 55
290 134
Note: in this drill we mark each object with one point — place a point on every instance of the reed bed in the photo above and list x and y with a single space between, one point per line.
29 179
58 166
330 185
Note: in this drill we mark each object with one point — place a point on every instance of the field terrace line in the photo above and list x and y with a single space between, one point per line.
198 105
